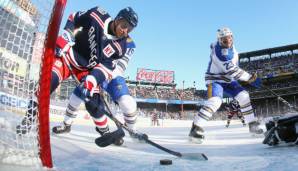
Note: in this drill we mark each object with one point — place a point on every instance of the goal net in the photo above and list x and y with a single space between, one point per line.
28 32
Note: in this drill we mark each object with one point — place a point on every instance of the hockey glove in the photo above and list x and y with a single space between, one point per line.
64 43
255 81
89 87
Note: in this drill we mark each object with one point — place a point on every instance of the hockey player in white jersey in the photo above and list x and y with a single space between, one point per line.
222 75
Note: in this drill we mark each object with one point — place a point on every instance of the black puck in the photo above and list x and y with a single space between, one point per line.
165 162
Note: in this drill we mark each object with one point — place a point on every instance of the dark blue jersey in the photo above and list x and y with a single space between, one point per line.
93 44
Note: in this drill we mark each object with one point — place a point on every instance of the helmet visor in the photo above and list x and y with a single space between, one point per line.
226 41
124 24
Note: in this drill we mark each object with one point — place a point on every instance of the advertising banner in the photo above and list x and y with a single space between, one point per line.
155 76
12 63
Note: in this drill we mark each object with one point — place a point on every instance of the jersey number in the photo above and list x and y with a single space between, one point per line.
228 65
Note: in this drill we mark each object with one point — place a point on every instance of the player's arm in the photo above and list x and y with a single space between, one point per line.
67 38
74 24
122 63
99 74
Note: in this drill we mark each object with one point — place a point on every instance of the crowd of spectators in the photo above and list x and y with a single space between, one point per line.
264 102
166 93
271 67
161 114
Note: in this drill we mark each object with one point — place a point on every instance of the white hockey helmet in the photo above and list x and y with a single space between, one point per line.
225 37
223 32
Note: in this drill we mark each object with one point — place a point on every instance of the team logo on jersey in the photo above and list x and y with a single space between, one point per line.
225 52
228 65
128 40
108 50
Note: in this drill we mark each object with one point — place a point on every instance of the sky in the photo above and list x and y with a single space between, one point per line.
176 34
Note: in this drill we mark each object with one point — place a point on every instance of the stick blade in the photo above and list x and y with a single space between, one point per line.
194 156
109 138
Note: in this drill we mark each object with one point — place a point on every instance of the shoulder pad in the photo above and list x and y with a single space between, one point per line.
212 45
130 43
101 10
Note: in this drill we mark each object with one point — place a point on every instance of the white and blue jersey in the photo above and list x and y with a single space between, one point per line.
223 72
223 66
222 77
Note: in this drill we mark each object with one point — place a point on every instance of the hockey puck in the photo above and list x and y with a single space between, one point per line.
165 162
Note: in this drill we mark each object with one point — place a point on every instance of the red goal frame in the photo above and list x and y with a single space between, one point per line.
45 81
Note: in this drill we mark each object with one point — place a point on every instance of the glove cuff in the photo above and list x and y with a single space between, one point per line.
90 82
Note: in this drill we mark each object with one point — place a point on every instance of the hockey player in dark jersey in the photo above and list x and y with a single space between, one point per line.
119 93
90 42
233 108
222 75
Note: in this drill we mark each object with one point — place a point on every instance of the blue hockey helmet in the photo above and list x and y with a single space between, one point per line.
129 15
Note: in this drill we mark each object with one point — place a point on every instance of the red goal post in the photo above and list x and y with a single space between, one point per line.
45 80
28 32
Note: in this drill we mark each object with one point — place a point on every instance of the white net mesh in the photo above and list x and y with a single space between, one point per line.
23 26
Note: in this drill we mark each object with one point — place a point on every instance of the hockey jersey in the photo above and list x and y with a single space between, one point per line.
223 65
93 43
122 63
233 109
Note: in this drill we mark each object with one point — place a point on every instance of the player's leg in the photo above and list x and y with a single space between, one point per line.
229 120
119 92
70 113
78 96
96 109
75 100
59 73
242 96
213 103
240 116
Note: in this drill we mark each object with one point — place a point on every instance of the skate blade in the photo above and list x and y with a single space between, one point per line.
194 156
195 140
136 140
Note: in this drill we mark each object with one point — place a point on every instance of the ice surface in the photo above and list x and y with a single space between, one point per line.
230 148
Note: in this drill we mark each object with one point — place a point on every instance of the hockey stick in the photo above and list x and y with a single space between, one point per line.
104 140
110 138
280 98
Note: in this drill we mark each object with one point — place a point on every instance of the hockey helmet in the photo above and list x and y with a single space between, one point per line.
234 103
223 32
129 15
225 37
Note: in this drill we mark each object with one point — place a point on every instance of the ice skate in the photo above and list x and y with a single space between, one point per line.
62 129
196 134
